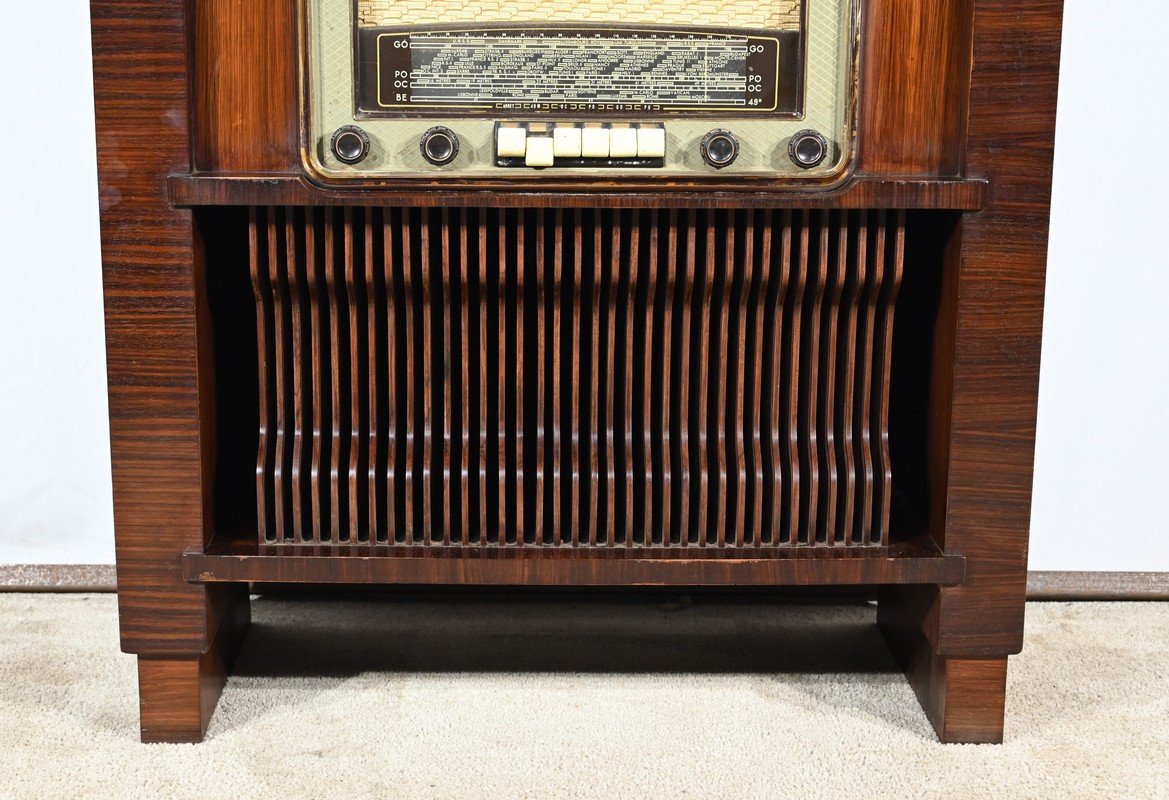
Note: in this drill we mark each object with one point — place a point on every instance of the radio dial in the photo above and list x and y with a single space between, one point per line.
719 148
439 145
350 144
807 149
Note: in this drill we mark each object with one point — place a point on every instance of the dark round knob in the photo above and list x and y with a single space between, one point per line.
807 149
439 145
350 144
719 148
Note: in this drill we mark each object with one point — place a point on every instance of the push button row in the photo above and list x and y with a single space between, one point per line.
541 144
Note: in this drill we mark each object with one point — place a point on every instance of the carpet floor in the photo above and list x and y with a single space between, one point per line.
506 697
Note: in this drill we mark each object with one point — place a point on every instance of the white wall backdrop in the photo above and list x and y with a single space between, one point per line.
1102 451
54 447
1102 461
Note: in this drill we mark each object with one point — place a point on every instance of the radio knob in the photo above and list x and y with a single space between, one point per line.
439 145
807 149
719 148
350 144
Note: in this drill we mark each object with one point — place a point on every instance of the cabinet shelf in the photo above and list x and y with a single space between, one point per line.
912 562
209 189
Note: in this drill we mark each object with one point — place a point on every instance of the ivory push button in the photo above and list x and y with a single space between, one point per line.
623 142
566 141
567 144
651 142
594 142
540 151
510 142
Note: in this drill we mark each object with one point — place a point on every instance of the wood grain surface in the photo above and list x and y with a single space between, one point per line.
859 192
161 419
734 364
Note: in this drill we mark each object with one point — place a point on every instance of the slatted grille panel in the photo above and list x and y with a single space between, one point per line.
606 379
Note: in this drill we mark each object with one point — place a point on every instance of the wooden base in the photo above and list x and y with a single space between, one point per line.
177 694
964 698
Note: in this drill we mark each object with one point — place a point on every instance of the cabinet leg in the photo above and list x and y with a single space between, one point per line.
964 698
177 693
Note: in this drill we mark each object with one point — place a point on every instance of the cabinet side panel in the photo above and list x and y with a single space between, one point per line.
998 324
140 82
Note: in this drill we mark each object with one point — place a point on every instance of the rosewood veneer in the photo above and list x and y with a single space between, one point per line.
586 383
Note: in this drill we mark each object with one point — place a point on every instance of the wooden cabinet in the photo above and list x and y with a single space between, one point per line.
611 379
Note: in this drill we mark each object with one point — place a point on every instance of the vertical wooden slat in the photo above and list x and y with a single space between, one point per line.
280 489
519 442
797 441
654 353
356 417
810 384
409 370
374 306
394 428
863 521
592 479
702 376
426 365
759 413
608 428
464 384
666 437
574 300
336 445
601 220
295 419
265 511
737 390
684 422
556 473
643 369
856 231
501 376
835 259
883 343
445 358
785 385
542 433
316 353
483 376
721 354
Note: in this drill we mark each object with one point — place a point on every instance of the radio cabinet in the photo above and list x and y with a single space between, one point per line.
418 293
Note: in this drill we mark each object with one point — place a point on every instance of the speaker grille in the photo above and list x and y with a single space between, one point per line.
603 379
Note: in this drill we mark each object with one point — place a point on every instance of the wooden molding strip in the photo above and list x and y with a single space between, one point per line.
1097 585
512 567
1040 585
963 194
58 578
